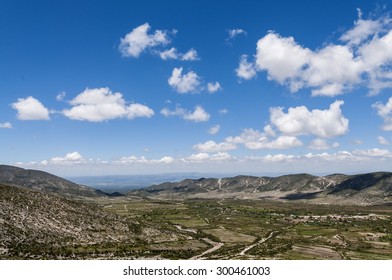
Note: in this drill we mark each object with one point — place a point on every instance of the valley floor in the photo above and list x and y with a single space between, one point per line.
258 229
143 228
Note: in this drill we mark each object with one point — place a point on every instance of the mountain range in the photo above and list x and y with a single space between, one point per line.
45 216
370 188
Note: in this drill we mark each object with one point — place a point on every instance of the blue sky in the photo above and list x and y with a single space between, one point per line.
144 87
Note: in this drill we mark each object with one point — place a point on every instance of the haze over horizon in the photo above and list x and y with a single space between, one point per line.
155 87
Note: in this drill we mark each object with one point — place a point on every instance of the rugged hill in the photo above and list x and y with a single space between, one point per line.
39 180
371 188
34 224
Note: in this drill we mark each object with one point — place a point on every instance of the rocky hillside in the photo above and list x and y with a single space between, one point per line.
39 180
371 188
34 224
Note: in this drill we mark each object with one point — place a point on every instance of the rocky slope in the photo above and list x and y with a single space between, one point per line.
371 188
39 180
34 224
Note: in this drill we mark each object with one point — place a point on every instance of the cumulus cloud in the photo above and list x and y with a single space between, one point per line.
364 58
68 159
172 53
246 70
197 115
190 55
142 159
212 146
281 142
30 108
321 144
100 104
375 152
139 39
6 125
284 129
385 112
300 121
255 140
382 141
184 83
205 157
213 87
214 129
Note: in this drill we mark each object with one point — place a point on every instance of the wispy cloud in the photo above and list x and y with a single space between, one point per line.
6 125
214 129
172 53
235 32
385 112
197 115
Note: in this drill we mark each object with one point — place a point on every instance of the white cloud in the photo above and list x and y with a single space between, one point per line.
364 59
205 157
344 161
385 112
172 53
30 108
248 135
100 104
223 111
319 144
138 40
61 96
255 140
190 55
198 157
245 70
166 159
284 128
169 54
278 158
375 152
143 160
198 115
282 58
136 110
382 140
6 125
221 156
187 83
235 32
213 87
281 142
68 159
300 121
214 129
212 146
361 31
